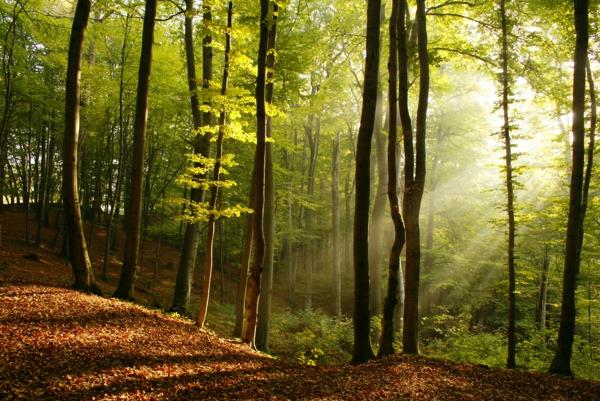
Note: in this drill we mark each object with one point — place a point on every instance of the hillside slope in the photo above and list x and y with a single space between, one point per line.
61 344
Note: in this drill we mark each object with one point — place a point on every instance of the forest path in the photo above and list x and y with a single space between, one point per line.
60 344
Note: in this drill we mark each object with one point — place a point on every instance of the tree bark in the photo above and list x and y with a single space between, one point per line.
131 263
561 364
264 305
212 205
387 333
540 310
78 254
362 347
335 201
377 215
510 208
253 290
414 175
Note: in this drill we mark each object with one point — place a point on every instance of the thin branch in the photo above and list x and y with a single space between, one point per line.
482 23
450 3
466 53
170 17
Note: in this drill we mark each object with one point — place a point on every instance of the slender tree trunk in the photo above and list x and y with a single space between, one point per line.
313 132
561 363
264 304
362 348
78 254
187 260
414 175
587 179
253 290
510 208
377 216
122 150
212 205
540 310
391 300
131 267
243 279
335 214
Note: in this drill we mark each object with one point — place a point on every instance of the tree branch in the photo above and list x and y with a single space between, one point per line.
482 23
466 53
450 3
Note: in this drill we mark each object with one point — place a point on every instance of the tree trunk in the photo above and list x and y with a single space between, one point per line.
253 290
122 150
414 175
131 268
510 208
264 305
540 310
391 300
561 363
313 138
187 260
377 216
362 347
335 214
214 193
78 254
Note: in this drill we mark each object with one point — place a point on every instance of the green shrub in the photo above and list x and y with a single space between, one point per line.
310 337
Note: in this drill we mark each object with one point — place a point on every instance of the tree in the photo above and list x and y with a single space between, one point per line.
362 347
561 363
201 144
391 299
414 174
510 201
131 263
258 181
214 193
77 248
264 305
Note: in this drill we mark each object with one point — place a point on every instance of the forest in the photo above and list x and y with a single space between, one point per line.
327 181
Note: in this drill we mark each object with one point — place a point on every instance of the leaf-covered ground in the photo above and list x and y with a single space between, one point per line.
61 344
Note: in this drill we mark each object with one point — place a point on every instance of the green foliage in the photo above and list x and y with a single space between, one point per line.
311 337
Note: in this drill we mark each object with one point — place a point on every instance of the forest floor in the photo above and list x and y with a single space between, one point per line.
60 344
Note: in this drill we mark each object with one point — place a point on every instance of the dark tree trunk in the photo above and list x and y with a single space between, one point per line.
414 176
253 290
264 306
187 260
391 300
77 248
362 347
561 363
510 208
131 267
214 193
